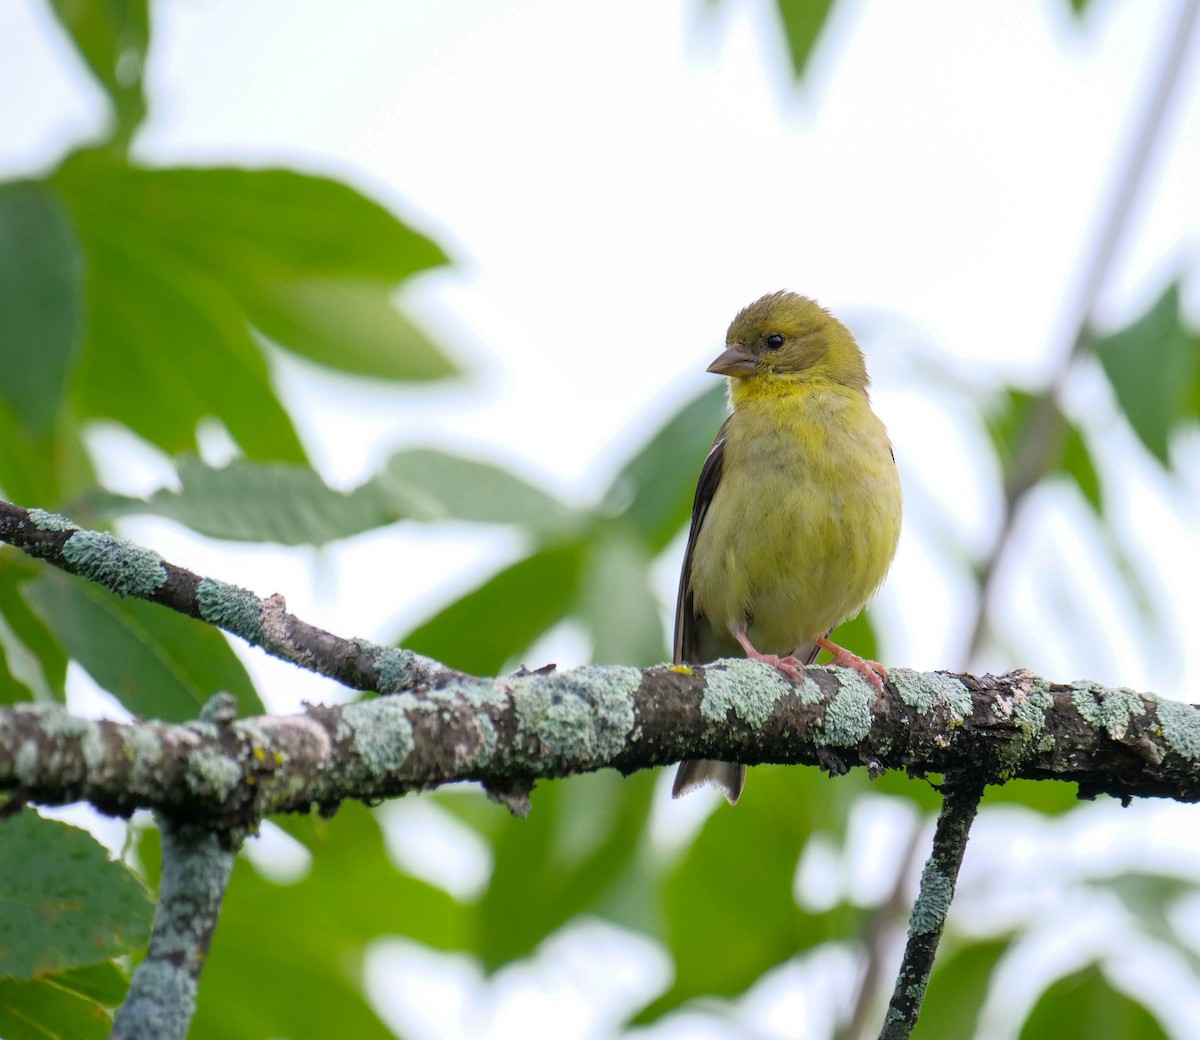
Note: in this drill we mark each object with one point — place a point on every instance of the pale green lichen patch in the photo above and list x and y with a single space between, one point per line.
810 692
913 689
44 521
234 609
28 761
1105 707
481 695
1029 708
95 755
933 902
119 565
579 717
57 724
749 689
848 717
1180 725
144 751
922 691
211 775
161 999
381 731
393 665
57 753
951 692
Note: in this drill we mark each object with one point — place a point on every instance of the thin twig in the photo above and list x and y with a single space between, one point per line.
1043 437
196 865
132 570
959 806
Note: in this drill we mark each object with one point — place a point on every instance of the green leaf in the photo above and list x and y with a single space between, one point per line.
157 663
617 603
350 325
252 228
45 469
259 502
915 789
41 303
1078 465
103 982
958 988
112 36
1045 796
656 487
432 485
63 903
72 1005
1009 422
499 620
292 505
579 841
35 659
166 345
1084 1006
802 24
287 959
12 689
37 1009
179 258
1154 370
731 913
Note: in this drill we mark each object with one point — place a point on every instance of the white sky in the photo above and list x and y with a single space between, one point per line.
614 180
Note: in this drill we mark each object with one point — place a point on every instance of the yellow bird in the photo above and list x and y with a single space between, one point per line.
797 510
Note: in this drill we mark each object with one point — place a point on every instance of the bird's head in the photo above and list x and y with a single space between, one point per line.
783 338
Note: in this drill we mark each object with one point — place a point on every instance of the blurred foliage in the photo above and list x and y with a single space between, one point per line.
145 297
1084 1006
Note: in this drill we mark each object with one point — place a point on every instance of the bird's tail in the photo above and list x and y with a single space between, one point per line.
727 777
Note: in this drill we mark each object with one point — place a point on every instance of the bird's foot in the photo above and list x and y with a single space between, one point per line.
790 666
872 671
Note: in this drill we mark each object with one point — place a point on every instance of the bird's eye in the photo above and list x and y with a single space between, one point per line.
774 341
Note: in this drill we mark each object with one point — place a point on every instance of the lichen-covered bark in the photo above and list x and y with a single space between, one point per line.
197 862
212 779
132 570
500 731
928 917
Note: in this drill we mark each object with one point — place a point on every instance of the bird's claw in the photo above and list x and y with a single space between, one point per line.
790 666
872 671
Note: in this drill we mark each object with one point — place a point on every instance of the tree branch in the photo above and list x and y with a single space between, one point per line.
197 863
959 806
509 731
506 732
213 779
132 570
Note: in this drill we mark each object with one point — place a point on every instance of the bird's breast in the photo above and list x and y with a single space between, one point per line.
803 526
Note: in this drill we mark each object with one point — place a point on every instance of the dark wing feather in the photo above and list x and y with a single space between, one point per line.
687 635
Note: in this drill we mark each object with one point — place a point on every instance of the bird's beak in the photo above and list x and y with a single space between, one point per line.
735 361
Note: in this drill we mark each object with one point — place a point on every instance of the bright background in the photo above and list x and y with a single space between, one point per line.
613 181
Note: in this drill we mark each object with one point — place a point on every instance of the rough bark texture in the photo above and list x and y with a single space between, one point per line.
509 731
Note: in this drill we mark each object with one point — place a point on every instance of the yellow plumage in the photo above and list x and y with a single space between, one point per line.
797 511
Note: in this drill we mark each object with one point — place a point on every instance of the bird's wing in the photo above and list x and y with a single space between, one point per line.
687 633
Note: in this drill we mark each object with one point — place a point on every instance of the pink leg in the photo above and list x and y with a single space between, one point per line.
792 667
874 672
